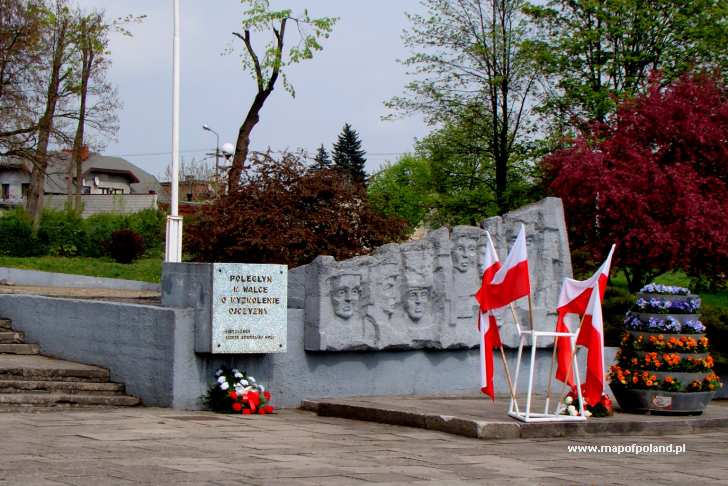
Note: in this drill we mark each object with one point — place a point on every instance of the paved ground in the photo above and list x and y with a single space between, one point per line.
158 446
112 295
476 416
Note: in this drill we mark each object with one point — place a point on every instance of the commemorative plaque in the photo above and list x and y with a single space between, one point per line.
249 304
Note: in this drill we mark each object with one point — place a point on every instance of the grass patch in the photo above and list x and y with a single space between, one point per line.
144 269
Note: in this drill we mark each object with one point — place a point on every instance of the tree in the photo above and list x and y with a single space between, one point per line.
265 69
654 181
469 54
348 154
322 159
595 53
314 212
91 40
56 41
20 52
403 190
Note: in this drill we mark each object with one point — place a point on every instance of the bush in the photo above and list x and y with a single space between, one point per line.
617 301
17 240
288 215
125 246
98 229
715 320
149 223
61 232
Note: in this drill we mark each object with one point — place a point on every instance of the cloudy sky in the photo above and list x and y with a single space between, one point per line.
346 82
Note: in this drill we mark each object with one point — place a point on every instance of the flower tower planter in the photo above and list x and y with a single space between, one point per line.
663 364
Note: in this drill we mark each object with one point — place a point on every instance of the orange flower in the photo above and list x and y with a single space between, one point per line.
649 382
634 380
668 379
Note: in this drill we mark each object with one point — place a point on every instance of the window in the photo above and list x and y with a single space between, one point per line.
86 189
6 191
25 190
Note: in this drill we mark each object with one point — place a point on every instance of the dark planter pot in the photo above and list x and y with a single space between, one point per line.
656 401
664 334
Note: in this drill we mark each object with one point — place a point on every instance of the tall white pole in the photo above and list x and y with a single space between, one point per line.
173 249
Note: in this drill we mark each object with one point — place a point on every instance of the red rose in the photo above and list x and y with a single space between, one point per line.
266 394
237 407
246 411
261 411
233 395
268 409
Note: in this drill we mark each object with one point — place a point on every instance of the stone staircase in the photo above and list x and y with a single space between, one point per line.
30 381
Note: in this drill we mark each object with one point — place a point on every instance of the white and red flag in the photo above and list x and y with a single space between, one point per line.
591 336
574 298
510 282
487 325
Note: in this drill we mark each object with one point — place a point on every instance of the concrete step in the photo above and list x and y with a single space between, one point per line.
19 349
5 325
43 368
66 399
11 337
34 386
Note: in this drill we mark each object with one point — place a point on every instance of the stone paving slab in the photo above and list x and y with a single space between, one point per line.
293 447
478 417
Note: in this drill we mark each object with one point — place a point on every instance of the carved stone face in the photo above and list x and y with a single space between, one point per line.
388 293
463 253
416 302
345 292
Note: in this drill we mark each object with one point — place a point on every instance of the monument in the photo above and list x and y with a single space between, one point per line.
420 294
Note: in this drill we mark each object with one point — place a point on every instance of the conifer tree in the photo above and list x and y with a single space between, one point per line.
322 159
348 154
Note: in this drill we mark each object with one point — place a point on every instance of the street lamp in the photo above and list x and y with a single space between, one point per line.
217 149
173 248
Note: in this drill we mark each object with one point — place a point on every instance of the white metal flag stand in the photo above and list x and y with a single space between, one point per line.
527 415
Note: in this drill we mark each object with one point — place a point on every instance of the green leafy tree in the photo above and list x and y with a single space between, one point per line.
348 154
594 53
468 53
267 65
403 190
322 159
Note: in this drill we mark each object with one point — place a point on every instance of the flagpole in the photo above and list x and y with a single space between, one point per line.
574 352
508 378
551 372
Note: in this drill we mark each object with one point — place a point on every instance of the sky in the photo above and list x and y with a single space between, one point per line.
346 82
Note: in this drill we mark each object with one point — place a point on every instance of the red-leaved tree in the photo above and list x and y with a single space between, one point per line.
654 180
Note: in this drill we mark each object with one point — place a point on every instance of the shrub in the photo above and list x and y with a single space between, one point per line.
617 301
61 232
284 214
715 320
149 223
125 246
17 240
98 229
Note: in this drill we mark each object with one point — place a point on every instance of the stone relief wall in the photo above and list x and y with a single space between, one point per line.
549 261
420 294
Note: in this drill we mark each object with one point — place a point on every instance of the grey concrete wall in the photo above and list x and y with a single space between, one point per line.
151 350
135 342
17 276
105 203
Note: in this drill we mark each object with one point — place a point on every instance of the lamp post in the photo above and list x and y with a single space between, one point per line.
173 248
217 149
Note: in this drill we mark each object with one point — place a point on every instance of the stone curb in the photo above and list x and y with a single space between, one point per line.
512 429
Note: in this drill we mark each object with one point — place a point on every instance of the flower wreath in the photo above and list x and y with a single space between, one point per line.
237 392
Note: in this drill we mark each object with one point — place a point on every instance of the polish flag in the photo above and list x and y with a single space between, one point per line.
489 335
511 281
574 297
591 336
489 339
